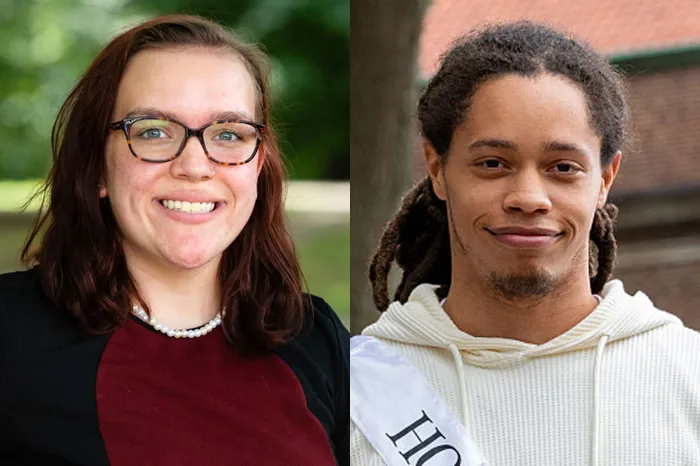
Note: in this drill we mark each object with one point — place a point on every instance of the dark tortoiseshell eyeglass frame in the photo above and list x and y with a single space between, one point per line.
126 123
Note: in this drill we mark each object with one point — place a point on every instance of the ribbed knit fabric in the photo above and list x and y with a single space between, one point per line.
534 405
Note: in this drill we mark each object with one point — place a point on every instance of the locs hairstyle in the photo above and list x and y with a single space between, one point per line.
417 237
80 258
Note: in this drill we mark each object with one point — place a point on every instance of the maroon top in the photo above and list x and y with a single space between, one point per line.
212 406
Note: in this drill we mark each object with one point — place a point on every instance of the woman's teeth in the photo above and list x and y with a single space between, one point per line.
190 207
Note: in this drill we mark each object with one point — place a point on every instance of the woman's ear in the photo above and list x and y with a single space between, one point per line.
261 157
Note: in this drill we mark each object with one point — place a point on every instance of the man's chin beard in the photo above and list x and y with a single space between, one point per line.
514 287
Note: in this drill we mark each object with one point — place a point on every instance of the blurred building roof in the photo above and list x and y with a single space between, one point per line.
615 27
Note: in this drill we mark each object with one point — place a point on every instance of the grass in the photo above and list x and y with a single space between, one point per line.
11 238
324 253
13 194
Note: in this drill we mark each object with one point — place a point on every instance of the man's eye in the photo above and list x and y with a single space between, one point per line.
565 168
491 163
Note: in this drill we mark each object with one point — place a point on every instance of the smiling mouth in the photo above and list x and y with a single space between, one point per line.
525 238
190 207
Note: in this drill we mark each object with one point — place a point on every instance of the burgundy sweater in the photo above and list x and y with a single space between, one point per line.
138 397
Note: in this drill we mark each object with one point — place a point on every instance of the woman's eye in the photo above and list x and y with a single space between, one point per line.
228 136
153 133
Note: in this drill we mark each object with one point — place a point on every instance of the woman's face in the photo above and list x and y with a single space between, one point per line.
194 86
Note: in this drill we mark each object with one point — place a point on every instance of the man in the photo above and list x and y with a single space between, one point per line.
508 343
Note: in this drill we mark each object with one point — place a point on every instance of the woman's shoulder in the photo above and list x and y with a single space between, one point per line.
26 311
324 316
18 281
319 357
319 354
322 330
21 291
22 310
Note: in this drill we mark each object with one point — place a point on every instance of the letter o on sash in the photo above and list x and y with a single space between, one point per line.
434 451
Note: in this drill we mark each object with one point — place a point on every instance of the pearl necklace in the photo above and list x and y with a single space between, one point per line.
194 333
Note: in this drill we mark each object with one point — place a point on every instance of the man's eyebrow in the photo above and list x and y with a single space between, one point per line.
151 111
559 146
493 143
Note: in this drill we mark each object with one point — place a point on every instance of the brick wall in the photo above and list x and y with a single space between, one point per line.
665 158
666 118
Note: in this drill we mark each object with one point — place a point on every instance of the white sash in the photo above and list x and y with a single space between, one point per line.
397 410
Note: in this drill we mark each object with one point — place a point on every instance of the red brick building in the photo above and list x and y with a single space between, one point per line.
657 43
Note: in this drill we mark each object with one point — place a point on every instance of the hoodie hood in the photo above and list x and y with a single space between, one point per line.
422 321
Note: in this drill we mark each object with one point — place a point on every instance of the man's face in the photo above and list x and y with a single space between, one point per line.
522 180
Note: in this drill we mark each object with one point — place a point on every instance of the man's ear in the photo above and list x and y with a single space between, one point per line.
435 170
608 177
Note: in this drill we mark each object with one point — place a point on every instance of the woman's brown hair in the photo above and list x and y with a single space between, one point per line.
80 257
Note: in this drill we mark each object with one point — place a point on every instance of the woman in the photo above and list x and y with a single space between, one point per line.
164 321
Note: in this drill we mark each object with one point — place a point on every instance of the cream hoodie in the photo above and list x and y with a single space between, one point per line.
620 388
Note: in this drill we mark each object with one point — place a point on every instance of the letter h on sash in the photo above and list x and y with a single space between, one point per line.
423 443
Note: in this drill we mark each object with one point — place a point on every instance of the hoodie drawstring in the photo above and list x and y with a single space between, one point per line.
595 443
462 381
595 430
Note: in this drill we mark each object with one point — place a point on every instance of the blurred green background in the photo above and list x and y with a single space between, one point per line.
48 43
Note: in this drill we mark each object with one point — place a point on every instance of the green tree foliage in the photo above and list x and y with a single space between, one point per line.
48 43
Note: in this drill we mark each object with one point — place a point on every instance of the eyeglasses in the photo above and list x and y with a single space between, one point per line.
158 140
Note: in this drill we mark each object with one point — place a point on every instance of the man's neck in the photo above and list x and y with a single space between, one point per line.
479 311
178 298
